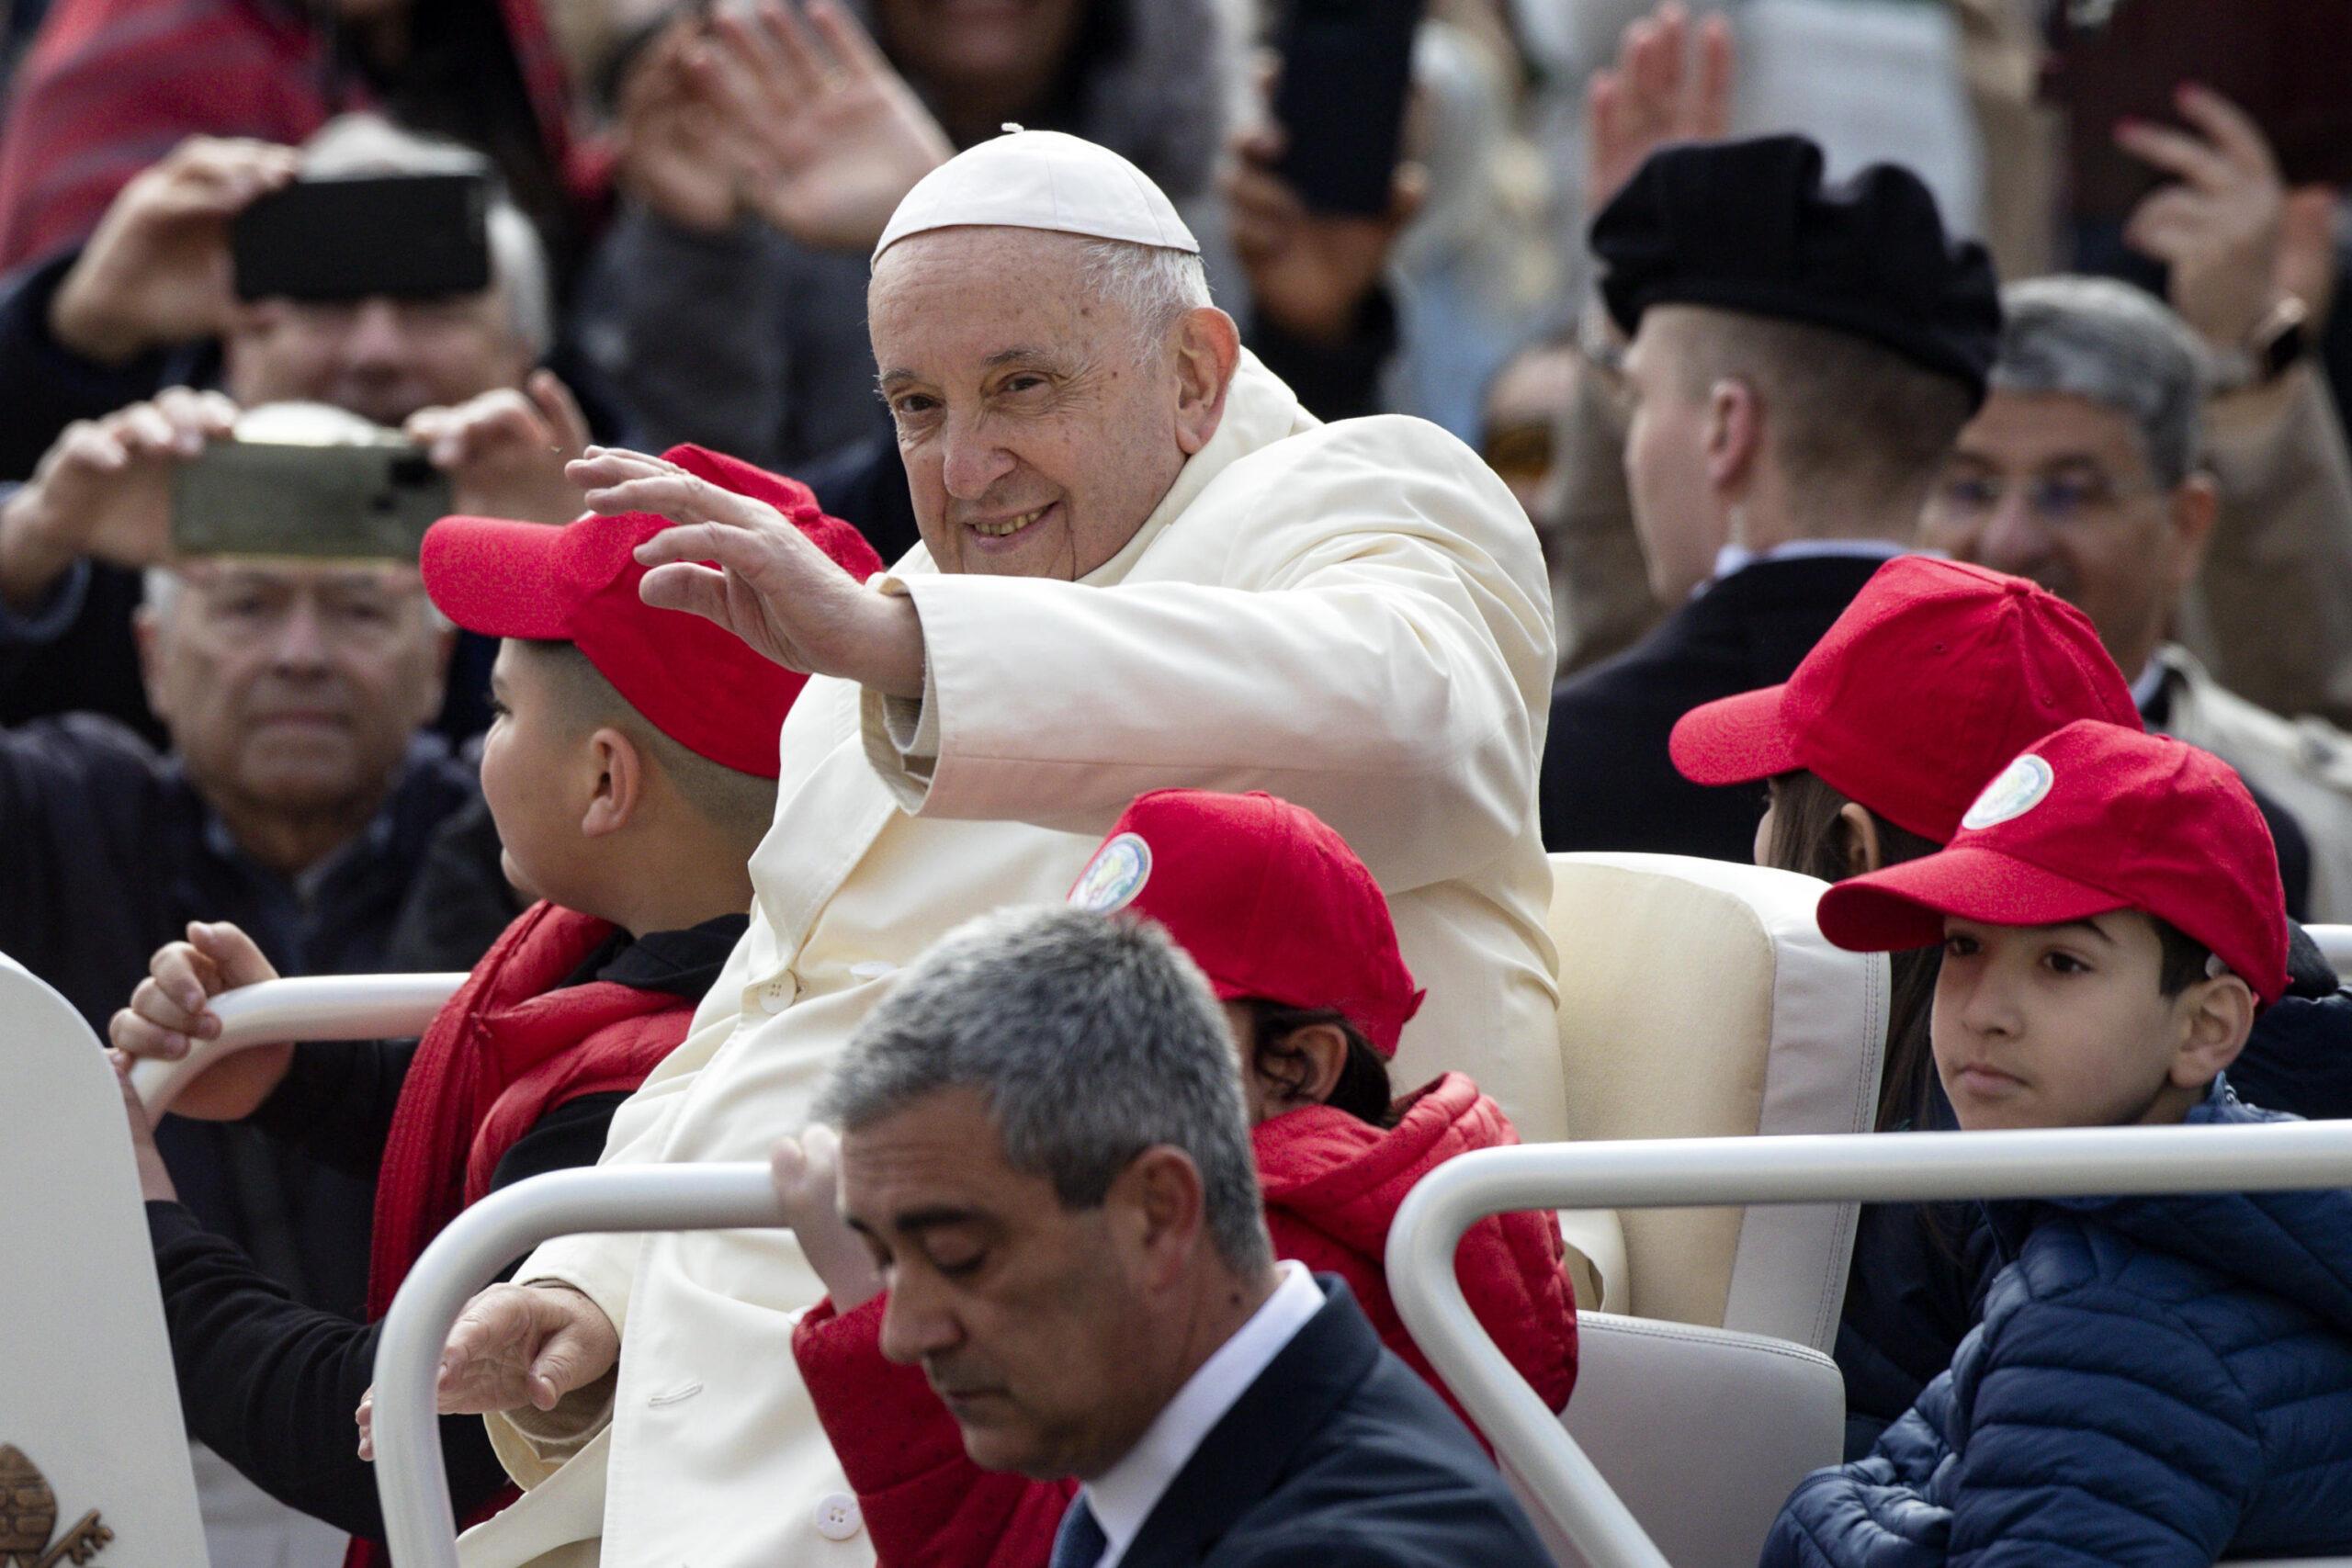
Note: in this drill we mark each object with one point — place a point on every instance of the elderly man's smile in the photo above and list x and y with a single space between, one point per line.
995 529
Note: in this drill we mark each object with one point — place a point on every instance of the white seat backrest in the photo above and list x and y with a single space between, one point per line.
1703 1432
2336 943
1698 998
89 1414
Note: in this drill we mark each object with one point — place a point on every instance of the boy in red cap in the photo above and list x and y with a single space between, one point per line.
2156 1380
1295 936
630 772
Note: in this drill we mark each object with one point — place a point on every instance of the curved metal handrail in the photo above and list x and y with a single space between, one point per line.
316 1006
420 1525
1672 1173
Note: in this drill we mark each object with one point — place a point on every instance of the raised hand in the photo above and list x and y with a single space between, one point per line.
1661 90
806 1172
513 1346
168 1013
1309 272
668 139
2218 226
825 136
506 451
156 270
764 580
103 490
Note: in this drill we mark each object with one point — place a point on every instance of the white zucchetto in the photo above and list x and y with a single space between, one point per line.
1041 179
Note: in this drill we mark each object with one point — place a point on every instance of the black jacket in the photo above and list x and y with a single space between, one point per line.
1608 780
270 1384
111 853
1337 1456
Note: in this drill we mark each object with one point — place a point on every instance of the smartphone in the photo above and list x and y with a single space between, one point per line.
273 498
352 237
1347 66
2283 61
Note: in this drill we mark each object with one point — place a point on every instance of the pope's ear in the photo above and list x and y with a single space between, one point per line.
1207 349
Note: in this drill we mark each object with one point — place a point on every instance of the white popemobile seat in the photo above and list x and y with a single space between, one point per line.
93 1455
2336 943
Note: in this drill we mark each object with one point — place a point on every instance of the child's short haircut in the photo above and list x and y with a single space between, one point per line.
734 801
2186 959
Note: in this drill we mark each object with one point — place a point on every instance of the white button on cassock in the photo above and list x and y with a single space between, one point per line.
837 1517
777 995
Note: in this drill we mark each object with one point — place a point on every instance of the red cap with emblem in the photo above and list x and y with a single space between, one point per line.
693 679
1269 901
2093 818
1937 674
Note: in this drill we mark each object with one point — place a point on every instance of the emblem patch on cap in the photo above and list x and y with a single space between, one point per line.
1114 877
2018 790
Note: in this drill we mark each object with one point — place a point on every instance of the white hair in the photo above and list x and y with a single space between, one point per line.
370 144
1155 285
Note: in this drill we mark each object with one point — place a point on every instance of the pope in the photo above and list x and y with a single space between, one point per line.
1144 565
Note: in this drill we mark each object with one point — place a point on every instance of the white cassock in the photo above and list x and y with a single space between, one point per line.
1353 617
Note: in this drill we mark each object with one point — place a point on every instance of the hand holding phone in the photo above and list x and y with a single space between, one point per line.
272 499
1347 66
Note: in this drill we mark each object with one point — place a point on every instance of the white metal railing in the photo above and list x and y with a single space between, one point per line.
1679 1172
421 1526
319 1006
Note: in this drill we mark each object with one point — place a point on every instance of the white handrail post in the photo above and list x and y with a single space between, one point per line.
420 1525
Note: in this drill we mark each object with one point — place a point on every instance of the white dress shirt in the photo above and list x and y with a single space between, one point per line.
1124 1495
1734 557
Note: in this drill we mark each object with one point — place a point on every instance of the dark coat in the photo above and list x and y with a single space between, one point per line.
2157 1380
1336 1454
1608 781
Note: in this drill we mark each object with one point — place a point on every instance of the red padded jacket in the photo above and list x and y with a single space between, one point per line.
1332 1184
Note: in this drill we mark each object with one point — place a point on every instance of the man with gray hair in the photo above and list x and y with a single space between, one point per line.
1045 1146
2084 473
1144 565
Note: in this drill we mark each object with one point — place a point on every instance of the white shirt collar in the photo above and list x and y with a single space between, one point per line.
1736 557
1124 1495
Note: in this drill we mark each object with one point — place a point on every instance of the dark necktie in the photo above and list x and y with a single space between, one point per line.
1079 1543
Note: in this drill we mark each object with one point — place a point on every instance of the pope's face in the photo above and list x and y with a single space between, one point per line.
1037 437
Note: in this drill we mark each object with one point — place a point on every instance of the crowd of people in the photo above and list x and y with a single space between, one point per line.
990 644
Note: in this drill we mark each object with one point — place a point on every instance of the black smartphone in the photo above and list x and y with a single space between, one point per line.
1347 67
351 237
274 499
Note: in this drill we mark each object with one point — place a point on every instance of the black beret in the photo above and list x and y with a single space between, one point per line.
1748 226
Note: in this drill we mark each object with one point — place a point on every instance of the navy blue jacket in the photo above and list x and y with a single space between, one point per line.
2158 1382
1339 1456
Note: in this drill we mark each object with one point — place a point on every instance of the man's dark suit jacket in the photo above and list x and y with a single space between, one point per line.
1338 1455
1608 781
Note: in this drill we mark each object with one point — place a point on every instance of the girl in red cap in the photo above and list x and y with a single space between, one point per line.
1294 938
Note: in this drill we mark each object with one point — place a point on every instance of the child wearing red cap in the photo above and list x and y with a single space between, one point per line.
630 772
2156 1380
1294 938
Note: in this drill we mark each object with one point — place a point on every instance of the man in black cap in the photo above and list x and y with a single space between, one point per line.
1802 357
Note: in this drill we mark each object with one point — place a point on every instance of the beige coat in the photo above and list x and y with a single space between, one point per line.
1352 615
2304 764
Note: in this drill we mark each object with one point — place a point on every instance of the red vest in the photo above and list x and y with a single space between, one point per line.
514 1042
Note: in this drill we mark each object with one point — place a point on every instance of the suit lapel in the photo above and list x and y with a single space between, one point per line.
1247 1454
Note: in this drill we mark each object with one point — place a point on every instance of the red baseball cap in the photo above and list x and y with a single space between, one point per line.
2094 817
1936 676
1267 900
693 679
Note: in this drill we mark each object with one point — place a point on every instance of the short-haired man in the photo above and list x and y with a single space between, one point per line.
1801 356
1044 1145
1146 566
2081 472
86 340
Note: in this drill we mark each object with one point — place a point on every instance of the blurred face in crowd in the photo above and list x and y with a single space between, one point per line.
999 51
2068 1026
2057 488
383 359
1520 423
292 690
1675 455
1039 434
1034 1323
